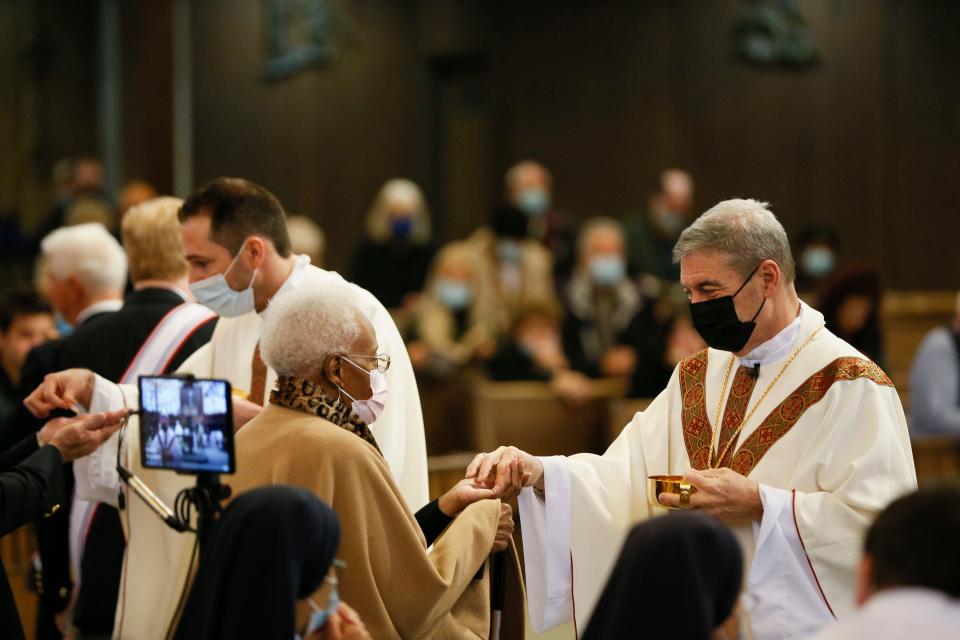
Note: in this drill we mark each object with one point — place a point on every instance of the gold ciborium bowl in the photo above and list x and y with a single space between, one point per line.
668 484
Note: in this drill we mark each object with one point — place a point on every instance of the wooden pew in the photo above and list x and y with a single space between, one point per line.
529 415
16 548
907 316
937 459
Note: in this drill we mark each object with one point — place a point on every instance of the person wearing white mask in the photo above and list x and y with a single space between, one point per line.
236 242
315 434
609 324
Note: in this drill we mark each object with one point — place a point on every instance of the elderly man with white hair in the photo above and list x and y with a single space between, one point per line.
155 331
315 434
779 428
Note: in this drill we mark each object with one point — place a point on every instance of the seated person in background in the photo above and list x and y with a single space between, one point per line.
652 234
851 304
135 192
817 251
392 261
534 351
529 188
687 557
455 320
25 322
315 434
610 325
681 340
909 582
307 238
935 381
518 268
272 548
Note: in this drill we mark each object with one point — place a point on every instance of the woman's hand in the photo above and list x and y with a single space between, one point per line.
462 495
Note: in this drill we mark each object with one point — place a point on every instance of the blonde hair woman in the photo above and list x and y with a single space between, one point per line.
455 320
393 259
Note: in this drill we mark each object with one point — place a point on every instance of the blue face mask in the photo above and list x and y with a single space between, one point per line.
509 251
401 228
607 270
453 294
533 201
817 262
215 294
320 616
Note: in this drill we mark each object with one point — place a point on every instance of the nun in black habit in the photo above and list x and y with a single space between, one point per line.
678 576
272 547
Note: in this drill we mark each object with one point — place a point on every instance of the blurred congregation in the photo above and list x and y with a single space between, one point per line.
509 182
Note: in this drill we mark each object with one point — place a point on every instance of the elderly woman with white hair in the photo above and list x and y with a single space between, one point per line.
315 434
392 261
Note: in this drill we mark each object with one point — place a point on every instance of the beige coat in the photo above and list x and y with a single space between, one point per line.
399 590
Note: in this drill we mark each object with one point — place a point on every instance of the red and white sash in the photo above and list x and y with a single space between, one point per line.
154 357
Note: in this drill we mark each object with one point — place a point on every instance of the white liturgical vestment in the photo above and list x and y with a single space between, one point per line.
828 445
158 559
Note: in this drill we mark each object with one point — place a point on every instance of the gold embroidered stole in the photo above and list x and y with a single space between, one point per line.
698 433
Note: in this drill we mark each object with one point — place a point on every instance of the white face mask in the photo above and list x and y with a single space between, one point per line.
216 294
372 408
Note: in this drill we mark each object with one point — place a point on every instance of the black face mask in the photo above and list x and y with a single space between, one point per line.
717 323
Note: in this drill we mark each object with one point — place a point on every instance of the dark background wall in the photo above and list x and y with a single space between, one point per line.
604 93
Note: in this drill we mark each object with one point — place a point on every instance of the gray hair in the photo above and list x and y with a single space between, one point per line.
746 231
88 253
593 225
302 327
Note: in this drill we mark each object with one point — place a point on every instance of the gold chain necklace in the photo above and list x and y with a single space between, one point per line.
723 391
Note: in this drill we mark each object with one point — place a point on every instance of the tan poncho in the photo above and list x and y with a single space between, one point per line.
399 590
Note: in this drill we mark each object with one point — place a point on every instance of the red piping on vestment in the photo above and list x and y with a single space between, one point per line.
807 556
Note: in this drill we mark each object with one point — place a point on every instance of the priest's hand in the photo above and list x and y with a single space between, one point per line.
504 529
61 390
462 495
343 624
723 493
497 471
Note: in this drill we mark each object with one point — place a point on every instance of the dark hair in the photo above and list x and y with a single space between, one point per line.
913 542
21 303
509 222
239 209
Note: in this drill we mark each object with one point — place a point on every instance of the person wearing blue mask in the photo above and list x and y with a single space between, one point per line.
818 249
392 260
609 325
529 187
519 269
455 323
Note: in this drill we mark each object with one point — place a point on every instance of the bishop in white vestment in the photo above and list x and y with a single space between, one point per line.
786 432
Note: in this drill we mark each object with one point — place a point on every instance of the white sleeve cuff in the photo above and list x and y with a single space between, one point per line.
545 525
783 597
96 474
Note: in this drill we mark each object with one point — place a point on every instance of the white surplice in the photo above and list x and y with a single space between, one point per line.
158 559
822 483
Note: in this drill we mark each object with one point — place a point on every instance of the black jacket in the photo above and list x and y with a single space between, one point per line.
106 343
28 489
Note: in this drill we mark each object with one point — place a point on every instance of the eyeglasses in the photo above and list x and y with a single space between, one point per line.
383 360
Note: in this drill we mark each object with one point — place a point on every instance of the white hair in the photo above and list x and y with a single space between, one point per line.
301 328
746 231
88 253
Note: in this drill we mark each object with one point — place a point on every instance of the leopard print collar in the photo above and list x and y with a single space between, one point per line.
305 396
